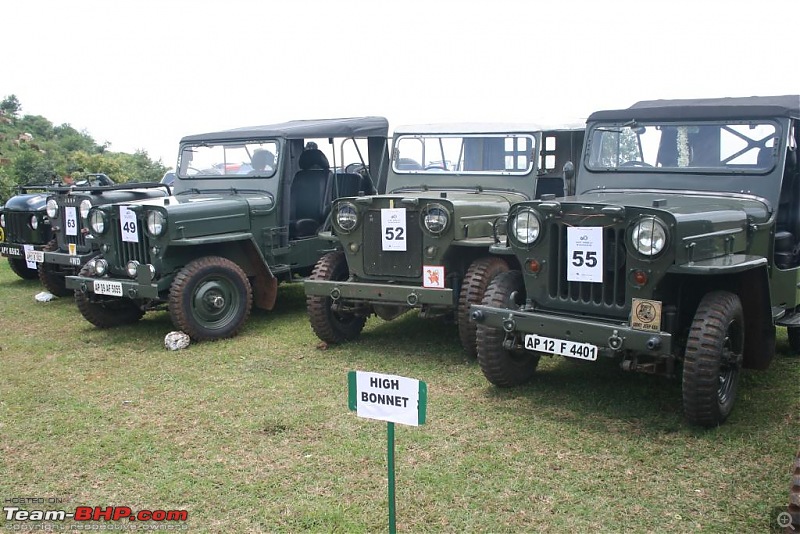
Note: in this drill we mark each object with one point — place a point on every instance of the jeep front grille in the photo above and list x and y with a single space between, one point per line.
64 240
18 229
406 264
611 293
125 250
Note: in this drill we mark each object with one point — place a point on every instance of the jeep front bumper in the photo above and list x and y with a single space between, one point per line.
413 296
132 289
606 335
70 260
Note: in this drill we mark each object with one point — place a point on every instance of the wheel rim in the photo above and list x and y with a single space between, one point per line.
214 302
730 363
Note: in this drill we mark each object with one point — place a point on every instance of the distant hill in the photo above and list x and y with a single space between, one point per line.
34 151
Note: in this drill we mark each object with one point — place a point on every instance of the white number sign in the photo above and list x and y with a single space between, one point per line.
71 220
585 254
127 223
393 229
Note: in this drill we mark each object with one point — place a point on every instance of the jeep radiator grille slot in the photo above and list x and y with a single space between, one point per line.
610 293
17 229
377 262
126 250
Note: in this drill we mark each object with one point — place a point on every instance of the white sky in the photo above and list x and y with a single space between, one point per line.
141 74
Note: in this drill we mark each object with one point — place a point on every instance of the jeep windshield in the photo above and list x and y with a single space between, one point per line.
464 154
691 147
257 158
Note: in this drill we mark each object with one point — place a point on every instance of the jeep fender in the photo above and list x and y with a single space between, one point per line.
242 250
750 281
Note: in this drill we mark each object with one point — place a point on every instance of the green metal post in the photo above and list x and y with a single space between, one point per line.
390 446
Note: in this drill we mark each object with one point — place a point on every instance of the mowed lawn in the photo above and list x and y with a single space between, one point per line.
253 434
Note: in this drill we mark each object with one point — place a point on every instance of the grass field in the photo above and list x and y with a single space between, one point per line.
253 434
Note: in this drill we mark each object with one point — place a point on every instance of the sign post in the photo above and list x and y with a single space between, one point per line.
390 398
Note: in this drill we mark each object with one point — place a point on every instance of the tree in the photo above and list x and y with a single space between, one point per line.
10 105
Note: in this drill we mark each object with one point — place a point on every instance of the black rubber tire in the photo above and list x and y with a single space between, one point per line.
477 279
330 326
104 311
20 268
51 276
793 334
503 368
713 359
196 285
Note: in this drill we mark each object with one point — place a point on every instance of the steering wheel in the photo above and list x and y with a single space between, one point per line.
436 167
355 168
634 163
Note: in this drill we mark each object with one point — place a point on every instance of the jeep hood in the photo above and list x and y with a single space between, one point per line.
26 202
490 201
683 206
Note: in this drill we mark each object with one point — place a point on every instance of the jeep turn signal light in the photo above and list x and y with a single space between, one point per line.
534 266
639 277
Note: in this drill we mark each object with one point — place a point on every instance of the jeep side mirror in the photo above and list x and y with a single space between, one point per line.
569 179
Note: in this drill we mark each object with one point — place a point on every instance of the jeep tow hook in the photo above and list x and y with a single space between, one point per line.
614 341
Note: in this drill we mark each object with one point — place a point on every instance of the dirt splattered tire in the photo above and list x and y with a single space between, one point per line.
20 268
477 279
210 298
329 325
106 312
713 359
53 279
503 368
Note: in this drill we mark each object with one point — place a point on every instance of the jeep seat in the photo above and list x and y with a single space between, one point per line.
310 194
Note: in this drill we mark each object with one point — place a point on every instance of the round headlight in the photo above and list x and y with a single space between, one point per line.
131 267
649 236
346 216
100 267
52 208
34 222
86 205
155 222
97 221
526 227
435 218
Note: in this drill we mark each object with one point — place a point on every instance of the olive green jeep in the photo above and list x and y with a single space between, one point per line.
246 208
67 209
424 244
679 255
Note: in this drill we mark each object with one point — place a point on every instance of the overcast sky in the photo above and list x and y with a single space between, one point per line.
140 74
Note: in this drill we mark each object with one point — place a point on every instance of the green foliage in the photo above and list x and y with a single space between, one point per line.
10 105
33 151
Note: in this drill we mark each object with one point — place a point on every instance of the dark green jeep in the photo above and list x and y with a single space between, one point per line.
680 253
425 243
246 208
67 209
24 229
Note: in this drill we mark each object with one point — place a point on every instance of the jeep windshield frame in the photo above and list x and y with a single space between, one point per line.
484 154
708 147
229 159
